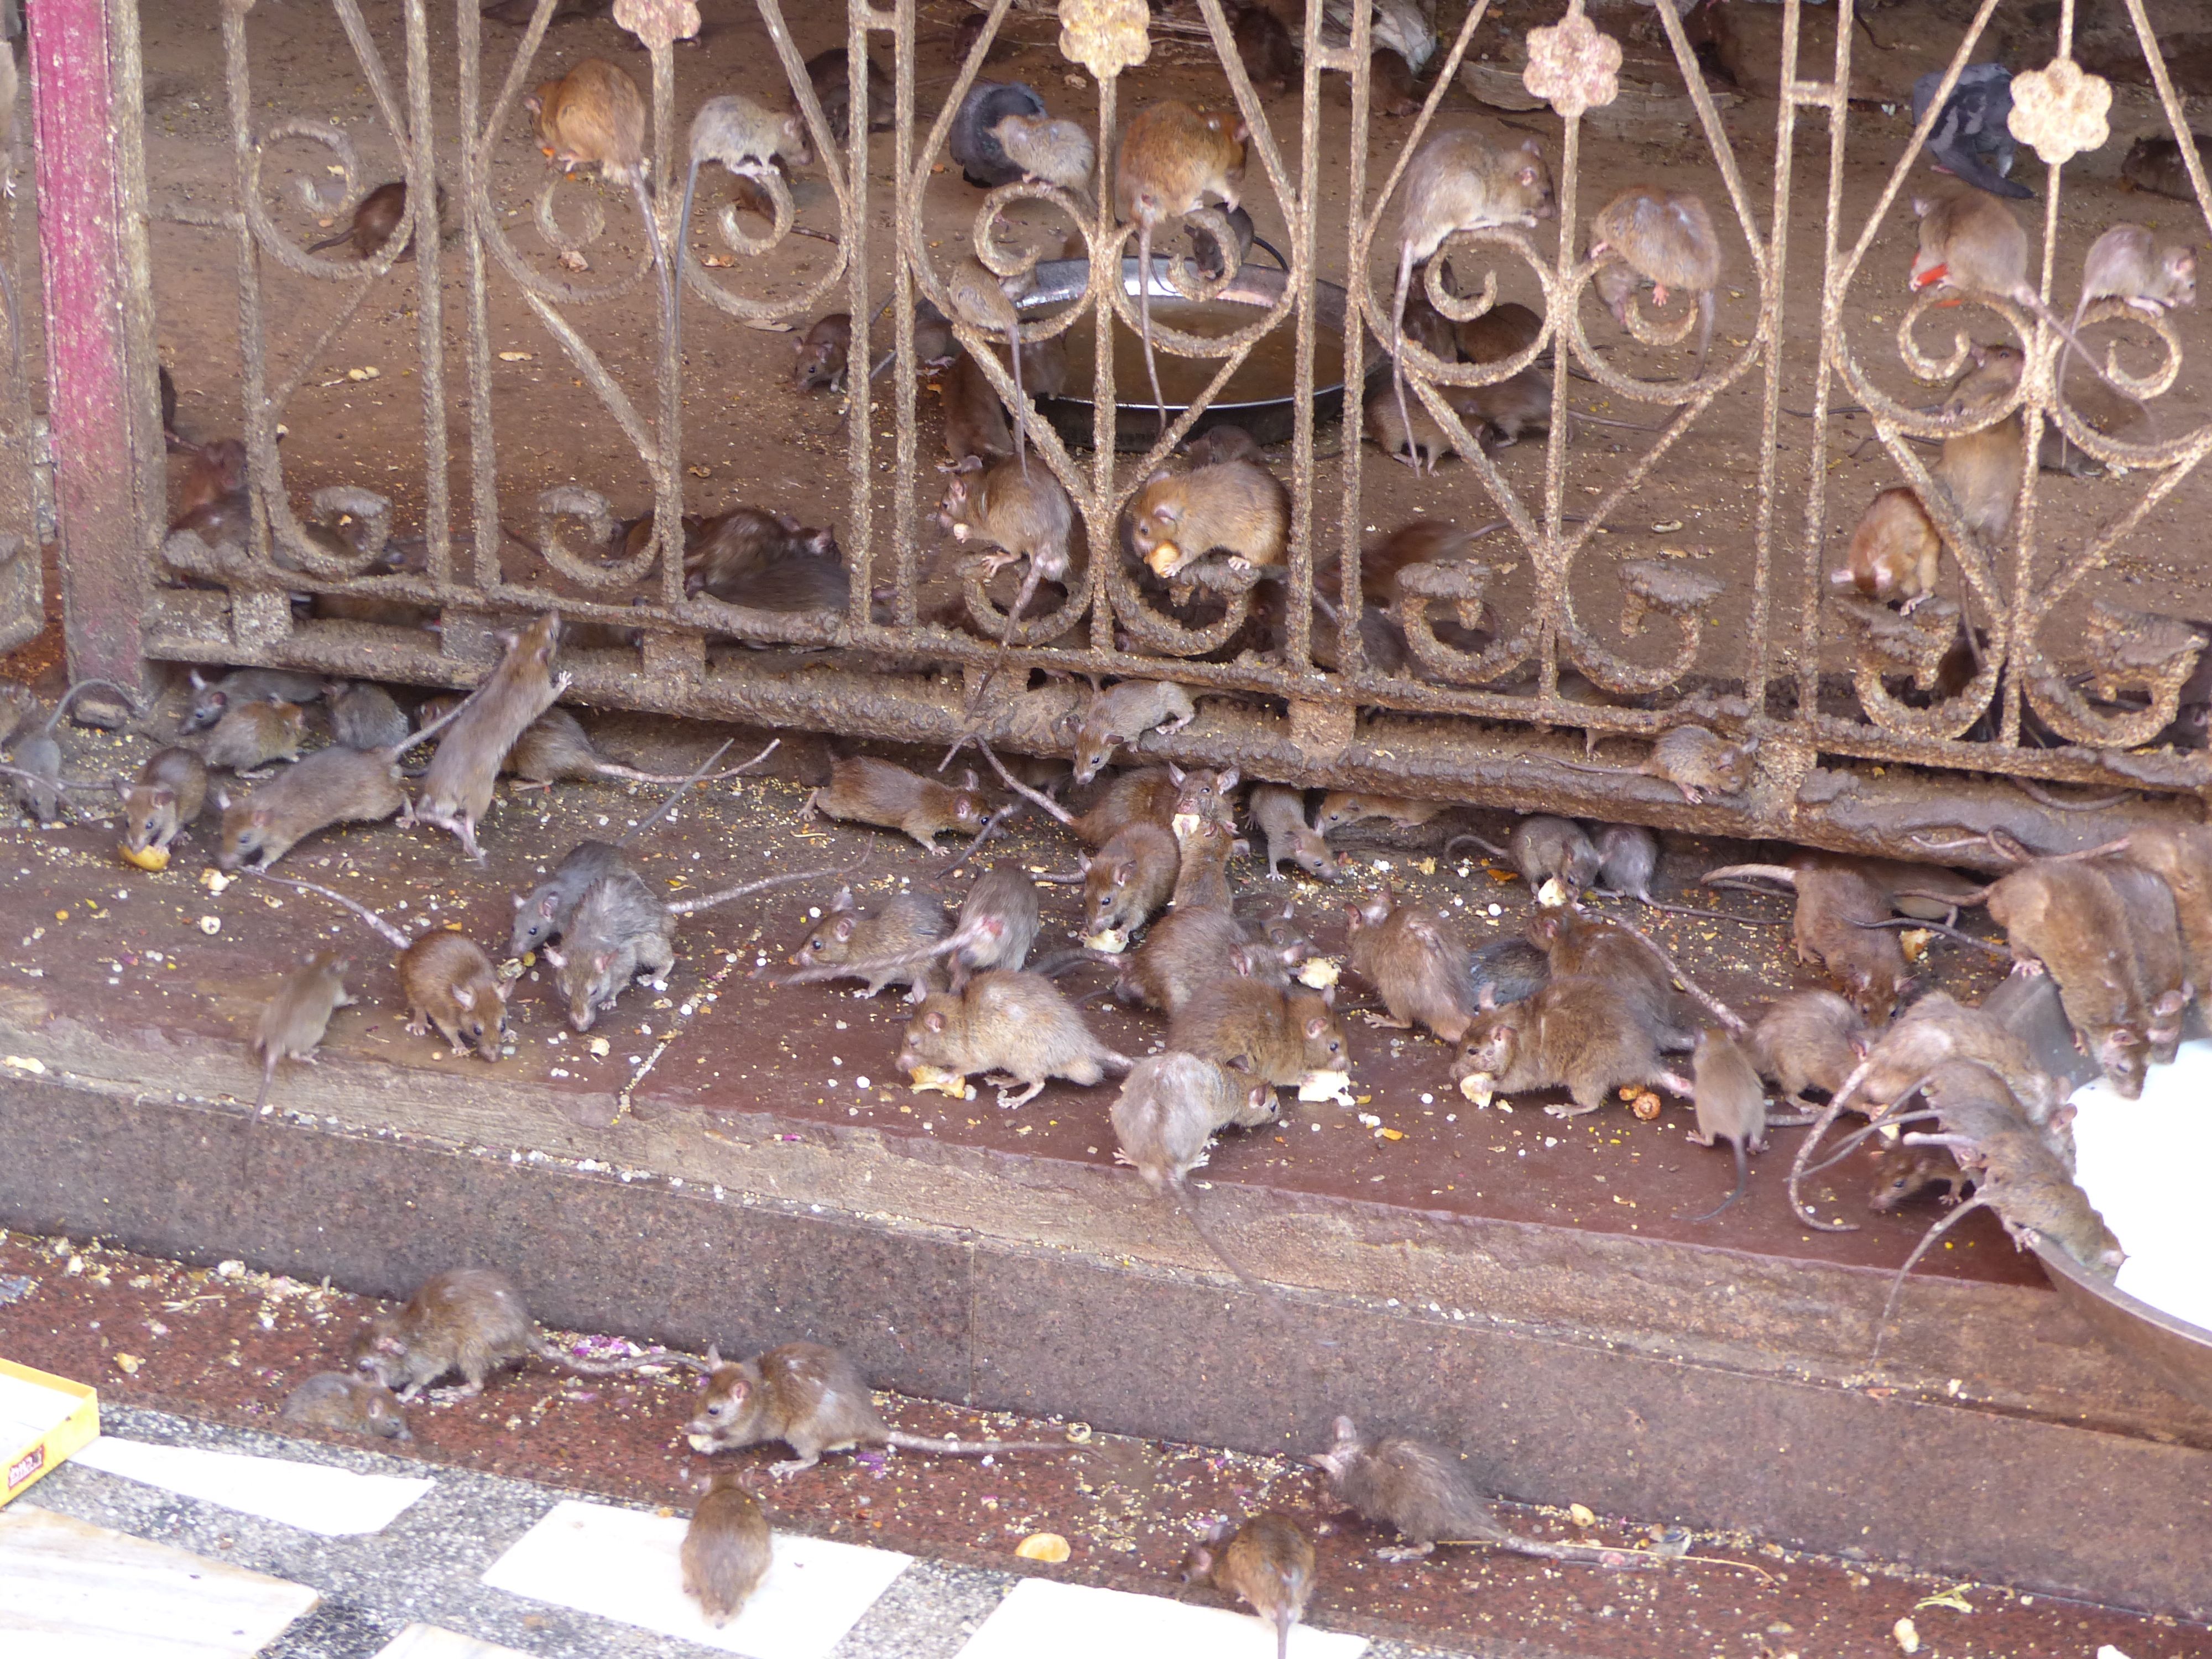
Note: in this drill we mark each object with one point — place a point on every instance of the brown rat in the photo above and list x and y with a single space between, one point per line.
167 798
975 431
2124 263
336 785
1267 1561
473 1321
1120 713
727 1551
213 473
813 1400
1005 1021
363 716
1025 516
1172 157
1129 878
1224 442
1894 553
1264 46
1457 181
1415 960
1403 429
1902 1174
1731 1102
1145 792
973 141
254 734
1237 507
851 936
350 1405
1426 1494
1271 1033
374 220
744 136
446 980
2161 991
1972 244
1279 814
1059 151
998 926
457 784
1340 809
1809 1040
2068 917
2153 163
1694 760
1170 1107
1578 942
1982 469
595 115
1580 1033
1186 950
556 749
293 1023
822 352
1203 848
1663 237
864 790
1543 848
1504 331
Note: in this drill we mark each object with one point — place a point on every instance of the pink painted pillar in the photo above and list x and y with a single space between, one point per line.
101 367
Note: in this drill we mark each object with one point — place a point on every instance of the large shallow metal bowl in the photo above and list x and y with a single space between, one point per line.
1269 420
2175 1352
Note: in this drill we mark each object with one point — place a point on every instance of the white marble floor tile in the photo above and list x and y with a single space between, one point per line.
1074 1621
624 1564
72 1590
312 1497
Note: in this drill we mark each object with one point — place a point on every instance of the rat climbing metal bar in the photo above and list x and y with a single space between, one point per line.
1464 676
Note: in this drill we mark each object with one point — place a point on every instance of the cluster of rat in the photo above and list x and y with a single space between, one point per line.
813 1398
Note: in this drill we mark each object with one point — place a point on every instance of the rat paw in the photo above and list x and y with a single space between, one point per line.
790 1466
1401 1553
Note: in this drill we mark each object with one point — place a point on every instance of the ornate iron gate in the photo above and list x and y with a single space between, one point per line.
1883 747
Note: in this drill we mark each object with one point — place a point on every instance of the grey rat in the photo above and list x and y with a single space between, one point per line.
998 926
721 554
974 141
364 716
813 1400
293 1023
212 699
1007 1022
1809 1040
1731 1102
1268 1561
1627 858
1170 1107
745 138
473 1321
254 734
35 776
1279 814
822 354
351 1404
1426 1493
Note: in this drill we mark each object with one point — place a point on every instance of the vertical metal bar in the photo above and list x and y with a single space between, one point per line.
483 448
668 458
421 163
1771 309
860 511
1551 594
1350 451
1831 319
87 116
1104 415
905 609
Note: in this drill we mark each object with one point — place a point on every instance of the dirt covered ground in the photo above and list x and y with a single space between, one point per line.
357 417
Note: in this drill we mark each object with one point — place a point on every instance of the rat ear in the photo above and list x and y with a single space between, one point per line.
1315 1026
843 928
1226 782
602 962
465 997
165 798
501 989
842 902
1162 473
968 778
933 1020
260 818
197 682
1328 996
1175 772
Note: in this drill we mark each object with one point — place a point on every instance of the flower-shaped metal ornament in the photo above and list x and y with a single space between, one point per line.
1105 36
2061 110
1572 65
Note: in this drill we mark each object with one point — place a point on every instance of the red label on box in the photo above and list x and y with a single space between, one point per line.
31 1463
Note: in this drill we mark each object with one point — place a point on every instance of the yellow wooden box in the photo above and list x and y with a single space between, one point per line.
43 1419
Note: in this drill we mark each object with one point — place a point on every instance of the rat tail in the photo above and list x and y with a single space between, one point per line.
1144 316
545 1350
692 907
1020 412
1491 847
345 235
1976 1202
906 1441
78 689
268 1077
684 785
1180 1190
1737 873
1719 1009
1742 1173
1952 933
391 934
1035 797
1829 1114
1591 1555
